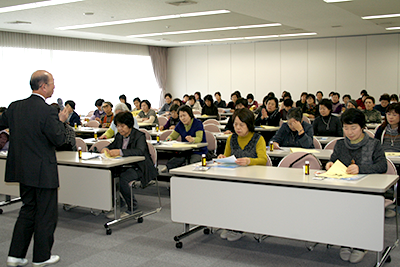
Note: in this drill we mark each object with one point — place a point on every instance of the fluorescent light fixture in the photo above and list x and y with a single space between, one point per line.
205 30
36 5
118 22
393 28
247 38
336 1
382 16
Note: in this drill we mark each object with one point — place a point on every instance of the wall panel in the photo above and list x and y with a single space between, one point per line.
219 70
243 68
176 64
196 63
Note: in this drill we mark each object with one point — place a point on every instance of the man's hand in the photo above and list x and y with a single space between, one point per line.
63 115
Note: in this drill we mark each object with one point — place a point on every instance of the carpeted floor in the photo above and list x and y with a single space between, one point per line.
81 241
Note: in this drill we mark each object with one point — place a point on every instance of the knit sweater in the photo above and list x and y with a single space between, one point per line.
368 154
285 137
260 148
372 116
327 126
194 129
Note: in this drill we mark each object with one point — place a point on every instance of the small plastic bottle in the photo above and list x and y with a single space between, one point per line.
307 168
271 146
203 160
158 138
95 136
76 126
157 128
80 152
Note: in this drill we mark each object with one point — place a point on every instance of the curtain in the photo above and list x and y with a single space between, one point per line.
158 57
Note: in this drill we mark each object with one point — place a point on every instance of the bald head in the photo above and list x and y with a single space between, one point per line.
42 82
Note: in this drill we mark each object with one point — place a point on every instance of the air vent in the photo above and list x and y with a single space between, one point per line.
182 3
336 26
18 22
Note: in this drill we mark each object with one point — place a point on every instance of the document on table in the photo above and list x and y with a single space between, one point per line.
231 159
338 171
298 149
392 154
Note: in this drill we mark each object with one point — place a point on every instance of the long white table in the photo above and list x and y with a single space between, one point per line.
85 183
251 199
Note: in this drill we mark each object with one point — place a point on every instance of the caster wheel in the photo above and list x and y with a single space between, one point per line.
108 231
1 211
179 245
389 259
140 220
206 231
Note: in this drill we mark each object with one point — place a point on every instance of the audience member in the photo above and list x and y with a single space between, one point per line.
122 99
231 105
302 102
99 111
251 103
336 106
295 132
326 124
209 108
185 99
177 101
195 105
2 109
130 142
240 104
286 95
108 115
73 117
384 102
147 114
362 154
371 114
360 101
197 96
219 103
319 96
173 119
346 99
165 108
394 98
248 147
351 104
287 105
137 108
389 132
4 138
190 130
310 108
120 107
269 114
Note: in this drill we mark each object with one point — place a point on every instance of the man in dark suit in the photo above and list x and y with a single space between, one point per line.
35 130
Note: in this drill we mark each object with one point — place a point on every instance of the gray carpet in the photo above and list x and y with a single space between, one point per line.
81 241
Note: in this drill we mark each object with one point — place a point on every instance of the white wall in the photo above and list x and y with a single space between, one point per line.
343 64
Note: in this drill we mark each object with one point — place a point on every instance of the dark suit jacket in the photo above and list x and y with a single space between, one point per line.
137 146
35 131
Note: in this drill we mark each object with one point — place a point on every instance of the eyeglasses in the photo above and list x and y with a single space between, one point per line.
104 106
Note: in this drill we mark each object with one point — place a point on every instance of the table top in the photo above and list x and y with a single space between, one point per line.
265 128
372 125
92 141
71 158
376 183
89 130
181 146
145 124
324 154
221 136
205 117
325 139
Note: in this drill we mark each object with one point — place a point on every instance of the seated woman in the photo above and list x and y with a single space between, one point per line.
295 132
209 108
4 139
240 104
310 106
147 114
371 115
362 154
269 114
248 147
120 107
389 132
327 124
191 130
193 104
99 111
108 115
130 142
173 120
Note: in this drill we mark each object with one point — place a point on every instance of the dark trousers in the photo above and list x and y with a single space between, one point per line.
38 218
176 162
125 178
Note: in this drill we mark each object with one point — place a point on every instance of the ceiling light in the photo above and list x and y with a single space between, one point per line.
109 23
393 28
336 1
382 16
36 5
248 38
205 30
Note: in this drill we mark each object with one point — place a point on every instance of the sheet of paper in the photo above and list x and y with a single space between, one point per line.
299 149
269 127
337 171
392 154
183 145
230 159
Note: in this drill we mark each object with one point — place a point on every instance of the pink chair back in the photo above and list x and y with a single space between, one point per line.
196 112
317 143
80 143
391 169
90 114
153 153
212 128
281 122
211 121
146 133
93 124
221 110
165 134
162 121
369 133
100 145
331 144
211 140
306 119
300 158
269 162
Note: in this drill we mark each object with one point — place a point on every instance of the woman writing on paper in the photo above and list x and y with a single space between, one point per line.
362 154
248 147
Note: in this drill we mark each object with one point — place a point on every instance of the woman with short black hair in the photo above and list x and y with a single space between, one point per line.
327 124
